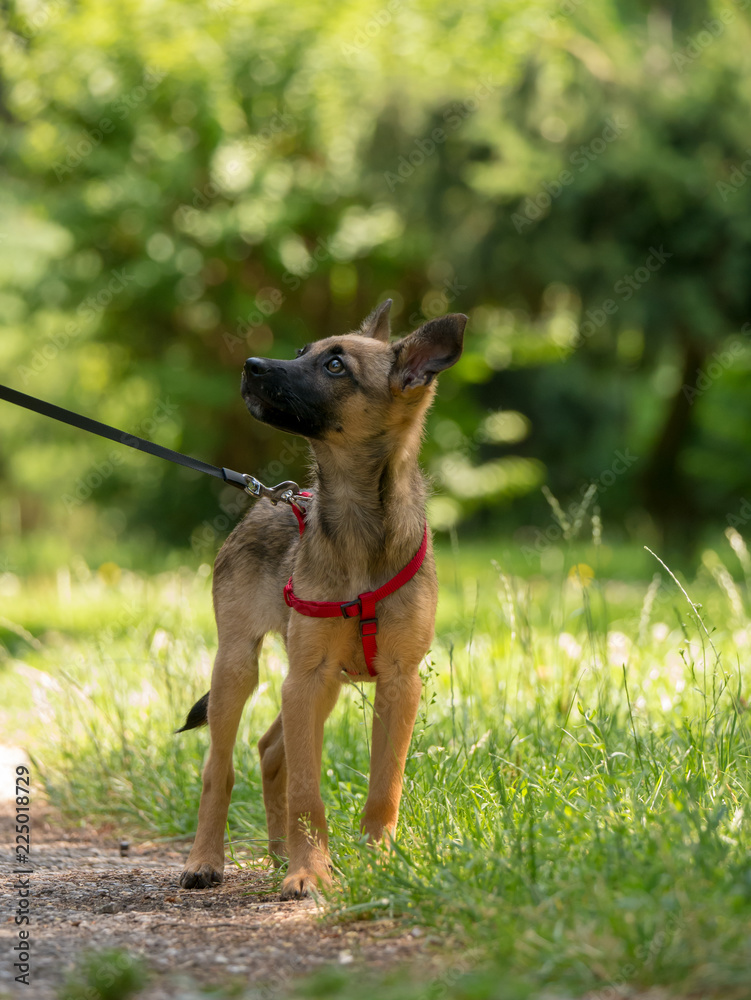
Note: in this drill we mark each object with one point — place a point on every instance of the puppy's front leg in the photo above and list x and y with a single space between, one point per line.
397 700
234 676
309 694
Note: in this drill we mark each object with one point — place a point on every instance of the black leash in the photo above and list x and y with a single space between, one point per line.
285 491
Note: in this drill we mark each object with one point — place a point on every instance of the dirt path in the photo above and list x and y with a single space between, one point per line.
84 895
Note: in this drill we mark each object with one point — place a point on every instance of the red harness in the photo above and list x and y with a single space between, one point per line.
364 606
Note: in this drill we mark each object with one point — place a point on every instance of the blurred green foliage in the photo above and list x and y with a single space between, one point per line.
112 974
188 183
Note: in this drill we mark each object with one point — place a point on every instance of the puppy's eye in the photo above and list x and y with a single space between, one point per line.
335 366
300 352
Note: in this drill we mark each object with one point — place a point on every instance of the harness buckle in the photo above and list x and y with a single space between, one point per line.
368 626
287 491
351 604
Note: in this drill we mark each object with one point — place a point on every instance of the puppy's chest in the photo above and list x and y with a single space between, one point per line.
336 644
360 634
321 574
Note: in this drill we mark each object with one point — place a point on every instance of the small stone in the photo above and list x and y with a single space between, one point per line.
108 908
345 958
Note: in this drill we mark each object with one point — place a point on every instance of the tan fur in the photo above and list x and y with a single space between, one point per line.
365 523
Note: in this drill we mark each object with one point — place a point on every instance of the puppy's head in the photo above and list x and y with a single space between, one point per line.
354 387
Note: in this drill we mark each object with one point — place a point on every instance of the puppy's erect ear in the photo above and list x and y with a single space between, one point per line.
435 346
377 324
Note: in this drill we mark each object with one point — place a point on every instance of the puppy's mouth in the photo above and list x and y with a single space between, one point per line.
260 405
267 413
271 406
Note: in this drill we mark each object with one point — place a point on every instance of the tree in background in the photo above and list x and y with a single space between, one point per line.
190 184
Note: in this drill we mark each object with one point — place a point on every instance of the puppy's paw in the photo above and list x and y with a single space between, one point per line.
201 876
302 883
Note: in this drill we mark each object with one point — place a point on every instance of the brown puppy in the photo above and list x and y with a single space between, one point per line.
361 402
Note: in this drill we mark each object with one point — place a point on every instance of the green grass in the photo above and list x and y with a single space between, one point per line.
104 975
576 808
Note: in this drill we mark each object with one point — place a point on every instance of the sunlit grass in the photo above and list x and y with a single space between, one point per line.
576 799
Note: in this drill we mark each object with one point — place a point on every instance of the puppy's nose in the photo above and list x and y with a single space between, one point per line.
256 366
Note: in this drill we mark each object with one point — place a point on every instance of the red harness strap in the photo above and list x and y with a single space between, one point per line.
299 512
365 605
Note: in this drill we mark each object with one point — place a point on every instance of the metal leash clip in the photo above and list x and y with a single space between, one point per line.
287 491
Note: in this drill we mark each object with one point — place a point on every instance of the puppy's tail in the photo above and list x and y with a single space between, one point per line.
198 715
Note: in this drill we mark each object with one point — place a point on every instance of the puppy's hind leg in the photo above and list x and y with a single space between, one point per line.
234 677
274 774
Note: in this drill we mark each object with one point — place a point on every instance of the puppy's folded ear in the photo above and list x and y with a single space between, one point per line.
377 325
433 347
